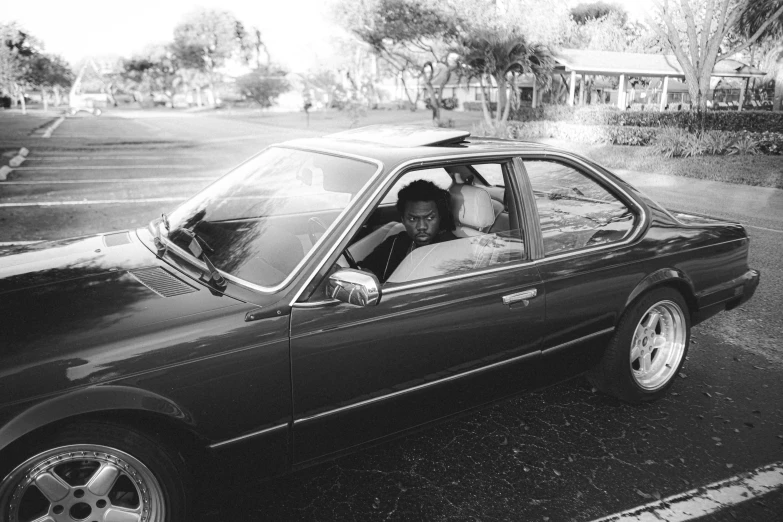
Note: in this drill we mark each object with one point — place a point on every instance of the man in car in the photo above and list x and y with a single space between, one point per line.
425 210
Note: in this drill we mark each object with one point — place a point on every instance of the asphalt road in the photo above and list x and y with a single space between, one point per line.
563 453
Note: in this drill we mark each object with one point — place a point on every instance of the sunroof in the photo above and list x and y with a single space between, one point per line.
403 135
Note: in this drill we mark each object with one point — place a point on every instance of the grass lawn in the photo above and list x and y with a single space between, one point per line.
331 120
759 170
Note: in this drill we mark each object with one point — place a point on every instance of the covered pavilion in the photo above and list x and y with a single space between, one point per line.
582 63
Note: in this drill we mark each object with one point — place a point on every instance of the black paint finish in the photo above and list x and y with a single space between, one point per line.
248 373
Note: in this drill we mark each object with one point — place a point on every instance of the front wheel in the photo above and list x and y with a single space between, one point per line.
94 472
647 349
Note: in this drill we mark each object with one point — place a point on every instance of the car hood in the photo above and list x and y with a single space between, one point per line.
64 299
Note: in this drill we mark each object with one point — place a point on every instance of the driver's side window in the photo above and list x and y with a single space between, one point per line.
479 232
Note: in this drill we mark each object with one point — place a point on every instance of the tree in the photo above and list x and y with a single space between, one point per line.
696 33
158 70
48 71
597 10
264 85
751 22
17 50
503 55
415 37
207 39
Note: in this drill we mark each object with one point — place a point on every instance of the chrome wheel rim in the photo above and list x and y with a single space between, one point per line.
658 345
82 482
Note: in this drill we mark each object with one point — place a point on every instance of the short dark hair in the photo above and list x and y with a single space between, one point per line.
423 190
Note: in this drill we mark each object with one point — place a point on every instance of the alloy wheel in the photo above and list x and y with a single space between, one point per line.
89 483
658 345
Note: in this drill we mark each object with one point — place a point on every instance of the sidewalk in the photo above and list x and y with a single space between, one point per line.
759 206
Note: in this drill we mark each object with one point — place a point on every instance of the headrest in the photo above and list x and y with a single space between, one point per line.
471 206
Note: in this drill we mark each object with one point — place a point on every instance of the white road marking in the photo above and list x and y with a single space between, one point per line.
89 202
16 243
40 157
105 167
705 500
764 228
50 129
107 180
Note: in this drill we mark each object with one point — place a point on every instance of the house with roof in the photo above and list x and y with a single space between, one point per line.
627 80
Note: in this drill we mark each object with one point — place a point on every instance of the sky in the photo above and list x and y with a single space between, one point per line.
297 32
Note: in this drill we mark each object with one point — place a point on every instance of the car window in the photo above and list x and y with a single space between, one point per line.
259 221
439 176
484 233
491 172
575 211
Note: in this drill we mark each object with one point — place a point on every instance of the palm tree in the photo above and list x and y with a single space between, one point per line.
503 55
757 13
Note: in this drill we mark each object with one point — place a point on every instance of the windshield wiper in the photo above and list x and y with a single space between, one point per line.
159 244
197 246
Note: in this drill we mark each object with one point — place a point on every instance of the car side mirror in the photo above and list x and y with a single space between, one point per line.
354 287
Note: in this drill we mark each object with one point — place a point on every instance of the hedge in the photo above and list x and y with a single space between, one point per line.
614 134
476 106
448 104
712 142
734 121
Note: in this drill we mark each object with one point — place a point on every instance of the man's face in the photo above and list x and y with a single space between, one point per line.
422 222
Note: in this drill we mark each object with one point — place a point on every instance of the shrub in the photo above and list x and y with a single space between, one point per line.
448 104
770 142
476 106
744 145
670 141
693 146
734 121
717 142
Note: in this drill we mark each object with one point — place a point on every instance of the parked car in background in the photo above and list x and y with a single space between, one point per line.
239 323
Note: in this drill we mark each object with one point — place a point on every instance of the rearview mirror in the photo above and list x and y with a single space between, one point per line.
354 287
305 175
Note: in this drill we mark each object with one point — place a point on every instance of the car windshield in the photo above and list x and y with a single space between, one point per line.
258 222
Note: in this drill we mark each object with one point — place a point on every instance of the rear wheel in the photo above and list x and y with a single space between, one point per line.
93 472
647 350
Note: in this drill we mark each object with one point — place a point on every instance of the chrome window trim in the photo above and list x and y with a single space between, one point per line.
642 213
455 157
246 436
295 272
511 153
359 404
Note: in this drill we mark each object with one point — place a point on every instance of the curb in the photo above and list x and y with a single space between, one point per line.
17 160
50 129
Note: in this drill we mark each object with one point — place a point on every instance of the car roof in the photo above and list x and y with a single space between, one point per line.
393 144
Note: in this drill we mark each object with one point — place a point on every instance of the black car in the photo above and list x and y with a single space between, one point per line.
243 323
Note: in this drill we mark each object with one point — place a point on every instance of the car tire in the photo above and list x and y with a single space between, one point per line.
89 469
647 350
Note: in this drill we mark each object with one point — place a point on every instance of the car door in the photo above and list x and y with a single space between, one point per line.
588 268
432 347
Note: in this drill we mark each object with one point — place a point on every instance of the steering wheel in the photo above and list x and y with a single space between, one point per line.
315 225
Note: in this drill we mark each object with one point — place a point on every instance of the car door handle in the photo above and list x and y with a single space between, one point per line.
519 296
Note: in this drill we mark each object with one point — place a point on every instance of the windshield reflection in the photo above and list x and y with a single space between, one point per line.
256 223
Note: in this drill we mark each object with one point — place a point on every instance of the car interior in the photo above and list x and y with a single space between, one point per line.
483 220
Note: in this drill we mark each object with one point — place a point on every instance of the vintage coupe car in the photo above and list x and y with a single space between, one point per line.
238 324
